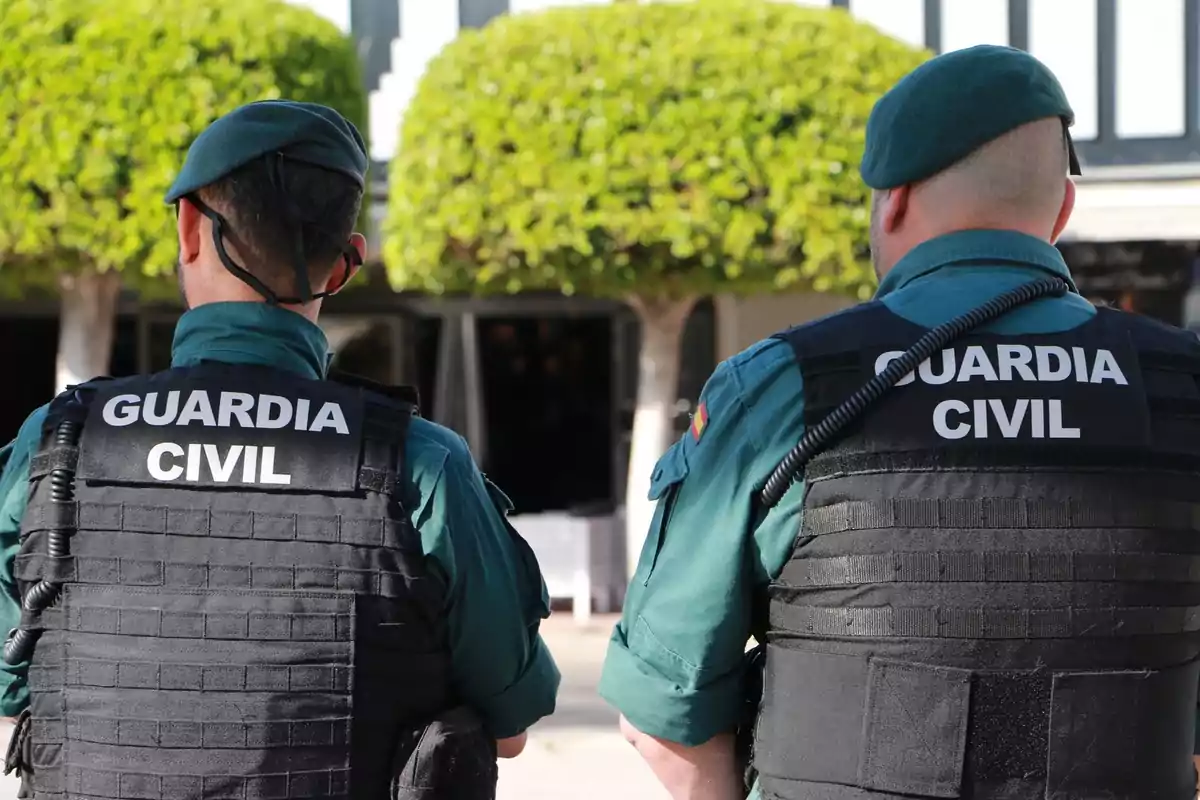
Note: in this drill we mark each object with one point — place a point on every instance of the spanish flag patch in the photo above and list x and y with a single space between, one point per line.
699 420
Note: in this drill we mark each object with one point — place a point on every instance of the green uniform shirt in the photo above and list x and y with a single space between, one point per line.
674 663
496 596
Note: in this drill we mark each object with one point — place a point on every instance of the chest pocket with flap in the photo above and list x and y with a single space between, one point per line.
668 476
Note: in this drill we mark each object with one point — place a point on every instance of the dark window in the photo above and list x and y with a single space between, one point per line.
30 362
124 360
161 333
547 390
369 354
1149 278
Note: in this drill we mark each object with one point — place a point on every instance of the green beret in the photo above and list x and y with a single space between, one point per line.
306 132
953 104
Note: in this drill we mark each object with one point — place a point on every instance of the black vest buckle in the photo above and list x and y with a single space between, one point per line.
19 757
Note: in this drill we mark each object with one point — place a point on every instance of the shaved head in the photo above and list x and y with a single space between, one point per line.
1019 177
1018 181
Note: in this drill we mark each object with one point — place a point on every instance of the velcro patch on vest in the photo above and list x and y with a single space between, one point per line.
174 429
1047 390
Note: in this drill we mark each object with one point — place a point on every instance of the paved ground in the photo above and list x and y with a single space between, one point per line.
576 753
8 786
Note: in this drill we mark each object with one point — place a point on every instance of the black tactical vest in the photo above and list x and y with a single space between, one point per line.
242 607
996 589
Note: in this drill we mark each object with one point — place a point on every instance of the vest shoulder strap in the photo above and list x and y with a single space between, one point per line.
1163 346
74 401
70 405
407 395
844 332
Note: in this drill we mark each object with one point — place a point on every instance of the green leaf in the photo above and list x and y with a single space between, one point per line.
102 99
699 147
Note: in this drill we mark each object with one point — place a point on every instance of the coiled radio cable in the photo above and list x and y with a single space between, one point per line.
19 645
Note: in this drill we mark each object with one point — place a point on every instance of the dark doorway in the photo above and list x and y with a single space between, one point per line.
547 388
30 356
368 355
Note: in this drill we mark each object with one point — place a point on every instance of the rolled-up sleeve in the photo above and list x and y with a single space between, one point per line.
674 667
496 598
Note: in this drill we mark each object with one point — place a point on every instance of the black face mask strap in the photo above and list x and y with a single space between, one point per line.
221 230
299 263
294 215
352 259
219 226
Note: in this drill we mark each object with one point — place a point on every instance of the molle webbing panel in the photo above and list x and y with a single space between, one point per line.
219 635
155 682
995 589
195 558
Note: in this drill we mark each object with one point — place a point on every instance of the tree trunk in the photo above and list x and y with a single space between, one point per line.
662 324
85 329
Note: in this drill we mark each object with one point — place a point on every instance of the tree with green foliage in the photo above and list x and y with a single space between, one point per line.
102 99
652 152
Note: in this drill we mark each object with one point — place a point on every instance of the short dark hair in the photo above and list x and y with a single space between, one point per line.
264 226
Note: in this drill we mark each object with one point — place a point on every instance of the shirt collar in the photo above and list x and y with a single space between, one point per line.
250 333
984 248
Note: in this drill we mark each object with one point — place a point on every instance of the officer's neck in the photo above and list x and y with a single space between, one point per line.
224 287
895 251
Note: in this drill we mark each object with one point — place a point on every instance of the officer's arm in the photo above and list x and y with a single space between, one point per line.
14 496
706 772
496 600
513 746
5 458
675 663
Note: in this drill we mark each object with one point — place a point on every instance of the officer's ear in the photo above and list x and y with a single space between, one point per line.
895 208
188 224
1064 212
348 265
